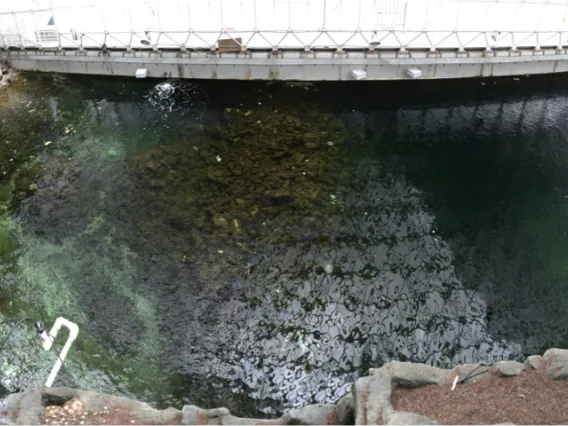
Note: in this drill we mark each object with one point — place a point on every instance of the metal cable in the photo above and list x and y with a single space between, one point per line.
470 375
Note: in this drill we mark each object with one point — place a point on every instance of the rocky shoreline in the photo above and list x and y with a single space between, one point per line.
369 402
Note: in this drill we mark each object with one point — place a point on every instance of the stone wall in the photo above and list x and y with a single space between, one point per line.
369 402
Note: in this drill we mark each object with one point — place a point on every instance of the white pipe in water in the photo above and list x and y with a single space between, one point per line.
48 343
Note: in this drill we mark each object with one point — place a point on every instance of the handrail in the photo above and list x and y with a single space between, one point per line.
401 39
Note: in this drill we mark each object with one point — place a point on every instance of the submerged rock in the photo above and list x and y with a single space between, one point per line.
259 178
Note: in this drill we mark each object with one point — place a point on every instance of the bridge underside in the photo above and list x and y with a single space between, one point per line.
294 65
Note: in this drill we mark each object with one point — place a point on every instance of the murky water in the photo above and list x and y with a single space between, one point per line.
261 245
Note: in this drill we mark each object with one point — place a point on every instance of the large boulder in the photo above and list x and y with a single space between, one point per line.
318 414
372 397
372 394
556 361
346 410
507 368
534 361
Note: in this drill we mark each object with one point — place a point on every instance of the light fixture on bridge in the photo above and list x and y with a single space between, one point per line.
358 74
414 72
141 73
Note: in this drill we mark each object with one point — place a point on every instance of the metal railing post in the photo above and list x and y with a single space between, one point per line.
537 47
18 30
129 47
56 26
36 33
160 26
105 32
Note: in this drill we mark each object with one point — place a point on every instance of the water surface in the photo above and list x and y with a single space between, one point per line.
261 245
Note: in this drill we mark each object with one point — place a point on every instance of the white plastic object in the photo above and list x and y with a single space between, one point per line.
48 343
141 73
455 382
414 72
358 74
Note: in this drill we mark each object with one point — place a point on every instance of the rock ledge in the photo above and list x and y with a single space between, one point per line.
368 403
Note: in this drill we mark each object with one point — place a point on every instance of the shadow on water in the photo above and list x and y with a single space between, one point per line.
259 246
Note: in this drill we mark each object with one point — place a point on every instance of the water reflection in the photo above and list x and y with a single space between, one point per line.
393 295
260 248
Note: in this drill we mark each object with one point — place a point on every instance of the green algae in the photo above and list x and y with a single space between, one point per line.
222 184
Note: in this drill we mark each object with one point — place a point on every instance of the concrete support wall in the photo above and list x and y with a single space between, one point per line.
290 65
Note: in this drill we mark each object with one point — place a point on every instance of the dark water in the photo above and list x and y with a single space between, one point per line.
261 245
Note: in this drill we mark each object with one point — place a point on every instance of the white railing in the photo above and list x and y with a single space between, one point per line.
285 24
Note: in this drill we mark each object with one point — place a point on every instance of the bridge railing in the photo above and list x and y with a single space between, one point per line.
235 25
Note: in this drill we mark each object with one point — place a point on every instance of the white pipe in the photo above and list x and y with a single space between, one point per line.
48 343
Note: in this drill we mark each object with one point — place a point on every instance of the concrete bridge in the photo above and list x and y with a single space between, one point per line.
287 39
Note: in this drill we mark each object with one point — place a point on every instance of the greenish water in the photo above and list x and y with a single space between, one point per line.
259 246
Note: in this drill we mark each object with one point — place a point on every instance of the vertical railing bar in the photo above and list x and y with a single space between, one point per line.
18 29
456 27
36 33
159 25
242 16
104 25
426 14
307 13
189 23
209 3
130 20
537 47
55 20
129 47
458 15
255 23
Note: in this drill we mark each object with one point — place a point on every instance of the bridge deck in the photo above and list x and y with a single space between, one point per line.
288 65
288 39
